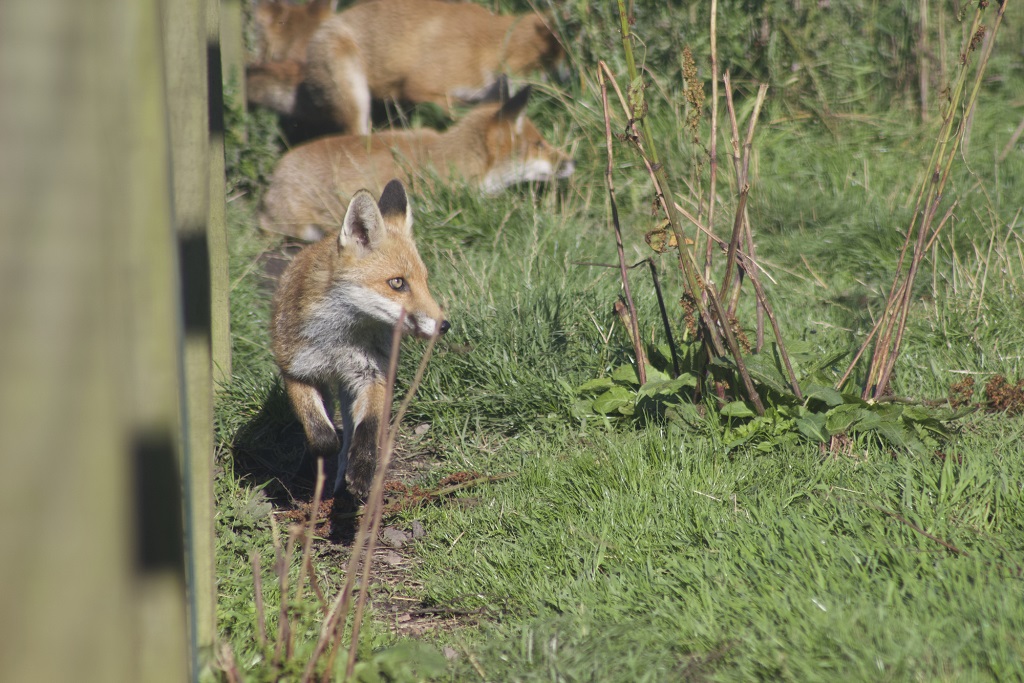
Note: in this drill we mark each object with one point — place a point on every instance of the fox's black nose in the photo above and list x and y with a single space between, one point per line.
445 326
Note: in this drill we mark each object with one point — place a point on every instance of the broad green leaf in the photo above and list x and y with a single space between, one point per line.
930 425
597 384
613 399
825 394
763 368
654 374
870 419
684 413
917 413
841 418
625 374
660 356
668 387
811 367
737 409
812 426
896 434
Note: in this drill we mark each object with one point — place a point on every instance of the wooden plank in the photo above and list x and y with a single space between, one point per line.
232 42
217 234
185 75
89 349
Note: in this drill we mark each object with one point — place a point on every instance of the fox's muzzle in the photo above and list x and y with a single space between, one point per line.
425 328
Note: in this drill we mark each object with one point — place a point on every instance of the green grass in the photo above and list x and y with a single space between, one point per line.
628 551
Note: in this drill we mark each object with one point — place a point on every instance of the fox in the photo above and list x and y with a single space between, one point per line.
416 51
285 29
332 324
493 146
275 80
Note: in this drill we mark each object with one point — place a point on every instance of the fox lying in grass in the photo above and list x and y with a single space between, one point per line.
404 50
333 316
493 146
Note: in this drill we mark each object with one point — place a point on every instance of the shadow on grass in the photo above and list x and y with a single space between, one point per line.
270 451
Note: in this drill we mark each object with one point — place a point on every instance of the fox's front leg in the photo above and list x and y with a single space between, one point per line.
368 414
312 405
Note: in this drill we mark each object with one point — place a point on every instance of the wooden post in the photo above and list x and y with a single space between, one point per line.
94 572
217 232
184 28
232 42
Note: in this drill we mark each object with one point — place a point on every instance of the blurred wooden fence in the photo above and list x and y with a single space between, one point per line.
113 333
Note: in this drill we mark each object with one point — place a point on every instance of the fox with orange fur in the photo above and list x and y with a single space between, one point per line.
403 50
284 29
332 327
275 80
493 147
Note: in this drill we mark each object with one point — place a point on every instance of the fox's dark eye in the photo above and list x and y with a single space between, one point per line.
398 284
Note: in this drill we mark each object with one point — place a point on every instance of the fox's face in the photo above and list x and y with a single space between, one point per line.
286 28
381 272
517 152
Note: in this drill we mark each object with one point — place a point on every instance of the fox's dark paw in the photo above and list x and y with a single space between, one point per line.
345 502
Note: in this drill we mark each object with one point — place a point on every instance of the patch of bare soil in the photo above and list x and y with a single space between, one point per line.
393 588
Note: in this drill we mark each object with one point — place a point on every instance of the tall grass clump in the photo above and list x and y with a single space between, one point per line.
726 371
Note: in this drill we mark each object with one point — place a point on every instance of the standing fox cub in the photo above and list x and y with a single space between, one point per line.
333 320
405 50
493 146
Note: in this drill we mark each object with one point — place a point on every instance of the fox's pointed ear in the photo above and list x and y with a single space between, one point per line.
395 206
513 108
361 230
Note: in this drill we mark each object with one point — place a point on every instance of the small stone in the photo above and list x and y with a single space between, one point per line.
394 537
421 429
417 529
450 652
391 558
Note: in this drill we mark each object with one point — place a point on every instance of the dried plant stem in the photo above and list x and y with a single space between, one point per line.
745 263
226 663
713 147
386 437
921 232
741 167
257 585
734 243
762 301
306 568
664 317
375 501
281 571
713 317
922 58
661 301
362 547
638 349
